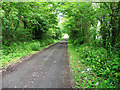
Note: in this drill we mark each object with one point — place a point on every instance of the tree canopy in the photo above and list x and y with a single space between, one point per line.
93 29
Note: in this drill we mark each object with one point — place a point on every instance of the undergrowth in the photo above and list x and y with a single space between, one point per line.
13 53
93 67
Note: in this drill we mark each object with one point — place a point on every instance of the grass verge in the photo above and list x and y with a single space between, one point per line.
16 51
86 70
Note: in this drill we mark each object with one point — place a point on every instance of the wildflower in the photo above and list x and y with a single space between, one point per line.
97 83
88 69
83 71
85 78
78 61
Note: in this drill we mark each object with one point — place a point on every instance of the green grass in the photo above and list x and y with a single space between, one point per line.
90 68
16 51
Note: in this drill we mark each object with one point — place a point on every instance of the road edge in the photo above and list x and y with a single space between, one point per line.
12 67
72 81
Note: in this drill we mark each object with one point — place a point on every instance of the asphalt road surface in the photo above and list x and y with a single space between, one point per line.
48 69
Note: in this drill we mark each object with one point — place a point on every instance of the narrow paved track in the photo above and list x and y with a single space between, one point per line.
48 69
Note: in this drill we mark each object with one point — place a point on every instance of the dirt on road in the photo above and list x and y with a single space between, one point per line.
48 69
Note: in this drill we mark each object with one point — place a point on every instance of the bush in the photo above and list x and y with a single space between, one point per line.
102 63
17 50
35 46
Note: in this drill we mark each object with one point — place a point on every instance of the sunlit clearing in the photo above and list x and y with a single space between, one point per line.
65 36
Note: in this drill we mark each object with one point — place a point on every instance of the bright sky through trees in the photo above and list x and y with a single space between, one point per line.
66 36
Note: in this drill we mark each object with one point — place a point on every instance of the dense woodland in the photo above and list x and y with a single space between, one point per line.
93 29
94 33
26 21
27 27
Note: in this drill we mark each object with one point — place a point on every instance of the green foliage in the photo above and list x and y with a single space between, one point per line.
14 52
88 63
24 21
27 27
86 21
93 30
